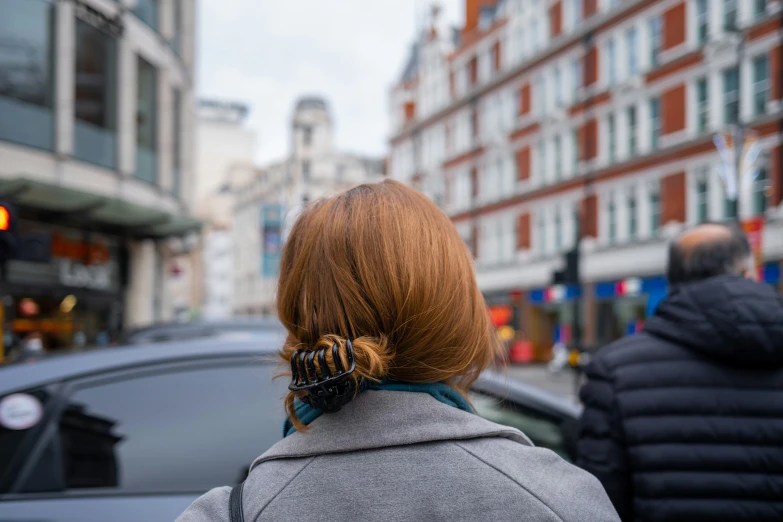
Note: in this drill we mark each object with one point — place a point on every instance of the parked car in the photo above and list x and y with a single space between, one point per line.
137 433
174 331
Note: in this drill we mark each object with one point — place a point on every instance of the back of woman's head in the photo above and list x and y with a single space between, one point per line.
382 266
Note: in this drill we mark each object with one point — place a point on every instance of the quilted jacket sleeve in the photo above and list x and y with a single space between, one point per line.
602 449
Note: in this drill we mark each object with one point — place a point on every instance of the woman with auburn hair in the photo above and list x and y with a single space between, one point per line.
387 329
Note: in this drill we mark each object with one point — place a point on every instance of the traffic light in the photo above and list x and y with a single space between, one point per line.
569 275
9 239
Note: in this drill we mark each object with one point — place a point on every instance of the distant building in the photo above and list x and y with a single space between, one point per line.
95 152
266 205
224 159
542 119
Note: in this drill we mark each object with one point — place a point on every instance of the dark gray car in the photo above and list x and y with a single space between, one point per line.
137 433
174 331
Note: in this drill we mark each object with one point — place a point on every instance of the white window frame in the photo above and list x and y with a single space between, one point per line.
760 86
632 50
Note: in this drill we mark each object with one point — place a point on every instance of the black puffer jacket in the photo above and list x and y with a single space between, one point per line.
684 421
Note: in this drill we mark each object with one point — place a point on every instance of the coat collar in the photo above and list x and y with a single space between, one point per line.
382 419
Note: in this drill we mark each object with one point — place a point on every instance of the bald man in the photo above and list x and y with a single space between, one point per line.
684 421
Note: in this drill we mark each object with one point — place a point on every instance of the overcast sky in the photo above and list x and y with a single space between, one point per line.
268 53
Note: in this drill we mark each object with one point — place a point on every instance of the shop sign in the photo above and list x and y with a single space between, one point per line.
81 251
94 277
629 287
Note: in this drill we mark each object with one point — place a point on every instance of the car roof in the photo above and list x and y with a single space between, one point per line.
201 328
262 343
73 365
495 382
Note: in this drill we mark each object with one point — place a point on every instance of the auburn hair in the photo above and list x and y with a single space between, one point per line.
383 266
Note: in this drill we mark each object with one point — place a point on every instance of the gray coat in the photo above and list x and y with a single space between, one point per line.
391 456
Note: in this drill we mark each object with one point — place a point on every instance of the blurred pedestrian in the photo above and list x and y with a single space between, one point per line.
684 421
379 277
32 348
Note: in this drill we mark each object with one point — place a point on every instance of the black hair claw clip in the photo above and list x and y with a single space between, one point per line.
326 391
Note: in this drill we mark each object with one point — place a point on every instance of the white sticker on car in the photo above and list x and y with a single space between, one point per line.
20 411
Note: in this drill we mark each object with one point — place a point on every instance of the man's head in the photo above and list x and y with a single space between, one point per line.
710 250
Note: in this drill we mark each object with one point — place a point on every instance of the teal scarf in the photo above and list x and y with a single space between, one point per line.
442 392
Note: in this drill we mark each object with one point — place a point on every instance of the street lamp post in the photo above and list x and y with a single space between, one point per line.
576 255
739 129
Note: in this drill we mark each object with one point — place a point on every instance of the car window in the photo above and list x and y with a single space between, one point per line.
182 431
543 431
15 438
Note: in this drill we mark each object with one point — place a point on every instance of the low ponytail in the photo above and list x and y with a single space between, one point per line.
373 358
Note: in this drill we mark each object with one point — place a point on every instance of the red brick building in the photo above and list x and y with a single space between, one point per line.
539 115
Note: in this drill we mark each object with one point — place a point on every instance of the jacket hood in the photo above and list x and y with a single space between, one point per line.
729 318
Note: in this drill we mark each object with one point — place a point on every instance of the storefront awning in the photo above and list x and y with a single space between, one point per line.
113 213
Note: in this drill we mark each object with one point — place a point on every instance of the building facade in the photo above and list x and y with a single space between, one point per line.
95 155
546 119
225 147
266 206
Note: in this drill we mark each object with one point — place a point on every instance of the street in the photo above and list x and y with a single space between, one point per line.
560 384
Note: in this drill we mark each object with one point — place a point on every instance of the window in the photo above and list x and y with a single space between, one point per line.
611 62
536 31
655 122
543 432
731 96
655 211
576 12
702 21
729 208
146 122
577 149
702 201
760 84
150 433
541 235
558 158
542 164
307 135
655 44
702 105
176 152
577 71
558 232
541 94
306 171
558 80
730 15
95 103
760 192
611 138
632 218
147 11
631 114
759 8
611 217
630 44
27 72
11 441
494 63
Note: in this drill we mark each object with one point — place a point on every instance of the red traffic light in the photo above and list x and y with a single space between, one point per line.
5 218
